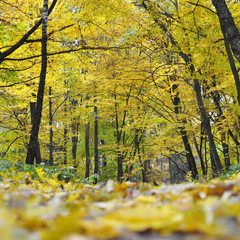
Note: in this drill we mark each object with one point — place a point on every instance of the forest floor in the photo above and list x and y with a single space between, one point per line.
50 210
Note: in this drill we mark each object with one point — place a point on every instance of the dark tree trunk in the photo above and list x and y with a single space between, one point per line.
137 147
87 143
96 156
189 155
74 144
225 150
120 135
147 166
51 128
170 169
104 161
87 151
207 126
233 68
229 28
120 166
205 153
75 126
65 145
213 166
65 131
216 99
38 152
231 37
237 147
200 156
119 155
32 147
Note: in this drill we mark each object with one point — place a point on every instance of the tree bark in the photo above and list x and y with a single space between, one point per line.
189 155
207 126
225 148
170 169
75 143
104 161
96 155
37 118
229 28
37 152
233 68
200 156
87 152
119 155
50 128
75 126
65 131
213 166
87 149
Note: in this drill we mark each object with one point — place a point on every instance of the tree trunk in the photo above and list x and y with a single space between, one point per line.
233 68
207 126
205 153
37 152
65 131
104 161
220 116
74 127
65 145
96 156
170 168
213 166
119 155
189 155
229 29
225 150
51 128
200 156
87 151
32 147
74 144
147 166
120 166
137 147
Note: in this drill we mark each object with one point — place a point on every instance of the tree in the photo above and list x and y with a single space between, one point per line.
87 146
10 50
51 128
228 27
194 75
231 37
38 115
96 139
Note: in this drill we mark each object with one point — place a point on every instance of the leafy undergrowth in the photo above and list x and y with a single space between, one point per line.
46 207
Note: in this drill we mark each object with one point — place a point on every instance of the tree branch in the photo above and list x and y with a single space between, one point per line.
199 5
67 51
6 53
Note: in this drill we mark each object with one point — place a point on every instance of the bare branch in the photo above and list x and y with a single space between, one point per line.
199 5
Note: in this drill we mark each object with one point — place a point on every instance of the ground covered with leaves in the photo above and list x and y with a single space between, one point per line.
39 205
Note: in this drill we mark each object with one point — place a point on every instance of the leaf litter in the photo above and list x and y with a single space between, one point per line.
44 210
